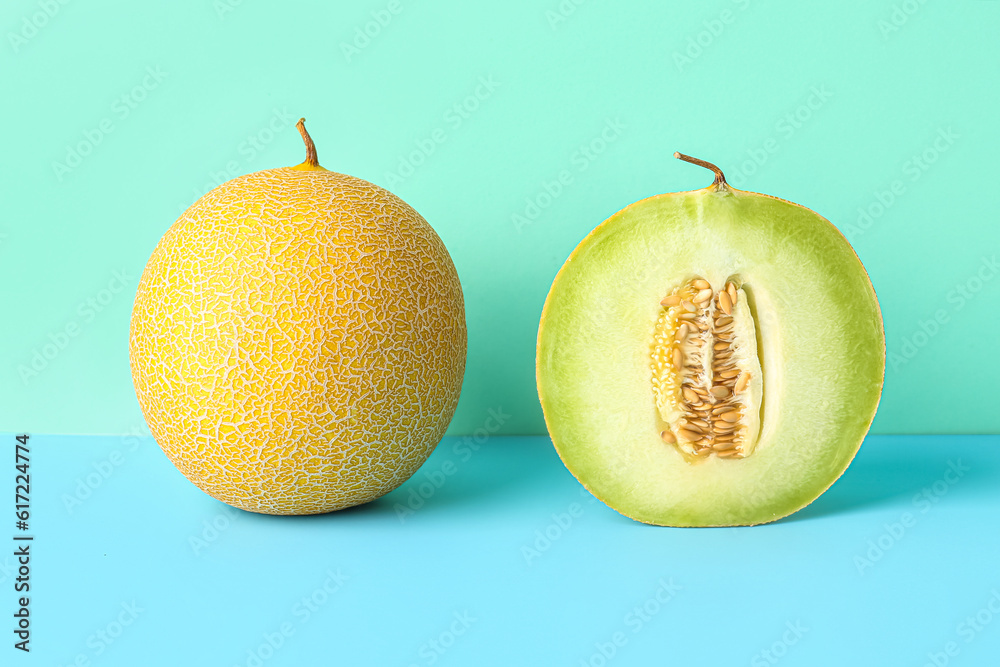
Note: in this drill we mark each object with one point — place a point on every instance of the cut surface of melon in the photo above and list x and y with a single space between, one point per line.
805 328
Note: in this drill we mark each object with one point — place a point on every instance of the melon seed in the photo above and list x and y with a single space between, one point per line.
690 436
719 391
726 303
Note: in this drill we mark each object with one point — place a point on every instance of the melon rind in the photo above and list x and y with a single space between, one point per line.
298 341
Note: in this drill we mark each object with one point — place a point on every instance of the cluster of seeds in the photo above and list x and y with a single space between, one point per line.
694 372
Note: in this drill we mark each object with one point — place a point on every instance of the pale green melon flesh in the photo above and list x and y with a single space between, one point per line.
820 340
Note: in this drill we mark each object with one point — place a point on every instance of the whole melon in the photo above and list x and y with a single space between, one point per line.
298 340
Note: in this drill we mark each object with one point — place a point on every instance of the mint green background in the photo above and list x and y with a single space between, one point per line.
559 83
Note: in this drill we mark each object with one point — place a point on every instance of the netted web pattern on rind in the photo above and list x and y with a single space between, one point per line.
298 342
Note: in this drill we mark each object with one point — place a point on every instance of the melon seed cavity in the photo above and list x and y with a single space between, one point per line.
706 375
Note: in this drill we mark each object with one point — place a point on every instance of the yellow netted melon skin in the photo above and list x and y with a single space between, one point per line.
298 341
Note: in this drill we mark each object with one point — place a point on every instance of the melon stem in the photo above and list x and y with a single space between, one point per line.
720 179
311 158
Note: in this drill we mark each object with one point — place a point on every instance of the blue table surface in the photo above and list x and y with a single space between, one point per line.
506 561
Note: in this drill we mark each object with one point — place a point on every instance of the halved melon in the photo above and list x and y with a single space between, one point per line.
710 358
